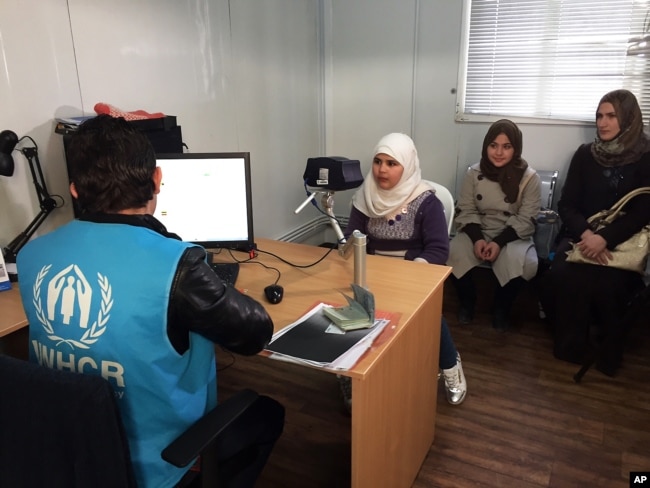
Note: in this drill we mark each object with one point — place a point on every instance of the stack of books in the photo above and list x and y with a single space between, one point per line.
69 125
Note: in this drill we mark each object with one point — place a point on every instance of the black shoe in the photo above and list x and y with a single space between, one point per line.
466 290
504 297
606 368
500 320
465 315
609 360
569 352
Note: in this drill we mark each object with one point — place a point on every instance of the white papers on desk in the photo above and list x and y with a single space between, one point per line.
313 339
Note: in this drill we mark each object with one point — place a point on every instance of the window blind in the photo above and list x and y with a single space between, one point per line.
550 59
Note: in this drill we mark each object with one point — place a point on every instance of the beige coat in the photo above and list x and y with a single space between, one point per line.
483 202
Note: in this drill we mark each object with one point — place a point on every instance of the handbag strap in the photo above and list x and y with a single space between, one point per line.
615 209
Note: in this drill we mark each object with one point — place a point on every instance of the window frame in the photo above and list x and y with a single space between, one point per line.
462 116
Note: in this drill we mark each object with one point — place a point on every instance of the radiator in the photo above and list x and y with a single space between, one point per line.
315 231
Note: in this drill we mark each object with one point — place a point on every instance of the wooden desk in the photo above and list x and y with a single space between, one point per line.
394 387
14 336
12 315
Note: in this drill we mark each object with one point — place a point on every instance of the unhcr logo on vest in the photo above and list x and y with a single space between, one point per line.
69 299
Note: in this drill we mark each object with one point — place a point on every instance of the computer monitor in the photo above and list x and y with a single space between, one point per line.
206 199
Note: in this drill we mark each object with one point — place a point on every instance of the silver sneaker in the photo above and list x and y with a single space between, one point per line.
455 384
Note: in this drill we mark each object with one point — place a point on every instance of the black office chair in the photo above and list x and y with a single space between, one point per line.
199 439
64 429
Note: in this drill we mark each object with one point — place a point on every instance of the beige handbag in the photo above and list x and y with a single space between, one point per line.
630 255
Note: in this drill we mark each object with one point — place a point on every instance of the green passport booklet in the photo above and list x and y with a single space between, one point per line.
359 313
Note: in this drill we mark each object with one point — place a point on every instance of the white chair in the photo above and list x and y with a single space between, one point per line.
447 199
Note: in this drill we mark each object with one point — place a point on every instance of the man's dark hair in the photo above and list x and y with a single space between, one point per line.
111 165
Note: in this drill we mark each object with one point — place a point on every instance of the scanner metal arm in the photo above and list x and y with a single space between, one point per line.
357 242
327 201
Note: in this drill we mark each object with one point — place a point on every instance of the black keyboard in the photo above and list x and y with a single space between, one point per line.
228 272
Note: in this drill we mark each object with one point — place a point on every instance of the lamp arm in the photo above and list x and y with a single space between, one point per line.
11 251
31 154
46 203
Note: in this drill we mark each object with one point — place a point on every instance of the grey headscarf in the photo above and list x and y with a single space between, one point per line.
631 142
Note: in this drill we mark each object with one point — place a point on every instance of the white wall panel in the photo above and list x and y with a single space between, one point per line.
436 68
160 56
175 57
277 67
371 44
370 49
37 83
239 76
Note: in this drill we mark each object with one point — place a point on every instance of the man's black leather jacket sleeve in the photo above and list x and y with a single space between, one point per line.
200 302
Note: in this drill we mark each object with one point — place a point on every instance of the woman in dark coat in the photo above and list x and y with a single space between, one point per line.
586 302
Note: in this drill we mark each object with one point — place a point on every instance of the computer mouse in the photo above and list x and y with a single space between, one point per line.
274 293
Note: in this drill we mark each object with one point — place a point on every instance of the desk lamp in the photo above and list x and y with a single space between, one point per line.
324 176
8 142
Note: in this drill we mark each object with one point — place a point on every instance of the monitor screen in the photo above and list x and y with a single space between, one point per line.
205 198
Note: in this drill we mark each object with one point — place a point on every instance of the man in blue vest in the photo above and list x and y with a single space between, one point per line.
113 293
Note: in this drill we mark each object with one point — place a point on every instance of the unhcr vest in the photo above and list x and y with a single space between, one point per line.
96 297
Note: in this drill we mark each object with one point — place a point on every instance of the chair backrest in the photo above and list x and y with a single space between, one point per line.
64 426
59 425
447 199
548 181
